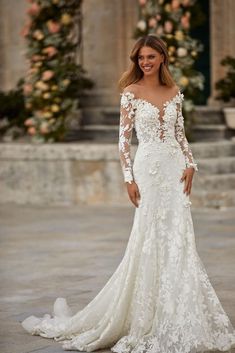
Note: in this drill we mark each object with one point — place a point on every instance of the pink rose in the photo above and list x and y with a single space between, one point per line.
36 58
186 2
32 130
44 129
50 51
159 31
29 122
152 22
175 4
34 9
185 22
27 88
53 27
168 26
47 75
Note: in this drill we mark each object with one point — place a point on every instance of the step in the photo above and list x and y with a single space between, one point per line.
213 199
210 132
109 134
213 149
95 133
221 165
100 116
221 182
110 115
204 115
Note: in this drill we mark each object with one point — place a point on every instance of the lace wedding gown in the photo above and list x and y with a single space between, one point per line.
159 299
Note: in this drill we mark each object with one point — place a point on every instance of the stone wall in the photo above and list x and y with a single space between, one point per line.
83 173
60 174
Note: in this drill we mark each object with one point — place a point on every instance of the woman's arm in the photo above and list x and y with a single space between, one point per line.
191 166
182 140
125 134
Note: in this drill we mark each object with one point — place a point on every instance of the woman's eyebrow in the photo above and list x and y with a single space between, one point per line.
147 55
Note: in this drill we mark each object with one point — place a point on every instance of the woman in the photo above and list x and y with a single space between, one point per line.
159 299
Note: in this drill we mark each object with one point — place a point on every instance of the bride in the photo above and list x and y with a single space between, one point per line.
159 299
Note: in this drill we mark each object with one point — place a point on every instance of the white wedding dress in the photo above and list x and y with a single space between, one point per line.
159 299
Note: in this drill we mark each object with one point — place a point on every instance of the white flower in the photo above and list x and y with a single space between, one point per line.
182 52
141 25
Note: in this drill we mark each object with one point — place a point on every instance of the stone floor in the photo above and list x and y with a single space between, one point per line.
72 251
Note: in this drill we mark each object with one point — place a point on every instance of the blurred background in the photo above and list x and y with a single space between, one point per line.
60 62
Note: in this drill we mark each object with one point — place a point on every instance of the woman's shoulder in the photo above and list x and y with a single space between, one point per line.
133 89
174 89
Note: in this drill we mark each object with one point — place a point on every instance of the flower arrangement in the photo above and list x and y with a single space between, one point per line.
171 21
54 81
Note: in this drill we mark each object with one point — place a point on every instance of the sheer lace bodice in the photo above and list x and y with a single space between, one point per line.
151 126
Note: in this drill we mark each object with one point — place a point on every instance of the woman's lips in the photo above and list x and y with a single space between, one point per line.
147 68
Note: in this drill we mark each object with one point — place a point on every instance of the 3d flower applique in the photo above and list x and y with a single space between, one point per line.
126 98
187 203
147 246
160 214
154 169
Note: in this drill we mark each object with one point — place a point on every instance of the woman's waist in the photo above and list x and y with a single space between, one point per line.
159 144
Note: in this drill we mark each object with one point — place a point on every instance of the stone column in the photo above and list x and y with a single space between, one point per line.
12 45
222 38
107 35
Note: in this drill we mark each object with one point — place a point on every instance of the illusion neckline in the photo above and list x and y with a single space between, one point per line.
154 105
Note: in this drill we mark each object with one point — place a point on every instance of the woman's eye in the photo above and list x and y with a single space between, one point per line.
149 57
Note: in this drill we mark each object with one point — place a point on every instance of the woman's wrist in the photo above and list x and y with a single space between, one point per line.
129 182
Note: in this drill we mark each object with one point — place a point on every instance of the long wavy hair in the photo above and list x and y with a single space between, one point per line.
134 73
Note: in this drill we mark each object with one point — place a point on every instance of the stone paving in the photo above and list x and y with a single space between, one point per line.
49 252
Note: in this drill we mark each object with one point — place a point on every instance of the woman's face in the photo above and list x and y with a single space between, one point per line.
149 60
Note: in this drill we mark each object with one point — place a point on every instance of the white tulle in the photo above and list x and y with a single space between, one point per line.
159 299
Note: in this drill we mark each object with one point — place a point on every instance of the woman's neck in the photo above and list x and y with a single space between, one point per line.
151 81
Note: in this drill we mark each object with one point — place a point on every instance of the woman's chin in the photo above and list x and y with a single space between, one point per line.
149 73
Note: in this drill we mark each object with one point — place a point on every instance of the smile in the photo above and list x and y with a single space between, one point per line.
147 67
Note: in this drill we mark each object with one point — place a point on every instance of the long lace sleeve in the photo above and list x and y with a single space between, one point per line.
125 134
181 138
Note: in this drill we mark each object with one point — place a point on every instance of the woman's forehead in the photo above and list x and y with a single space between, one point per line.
147 50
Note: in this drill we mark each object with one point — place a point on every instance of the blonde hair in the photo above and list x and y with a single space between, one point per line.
134 73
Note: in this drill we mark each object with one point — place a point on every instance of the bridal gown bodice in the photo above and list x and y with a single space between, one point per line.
159 299
154 126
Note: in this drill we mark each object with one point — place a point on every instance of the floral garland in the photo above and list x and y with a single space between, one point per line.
170 20
54 81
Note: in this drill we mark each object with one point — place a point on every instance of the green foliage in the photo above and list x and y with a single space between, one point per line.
12 109
226 85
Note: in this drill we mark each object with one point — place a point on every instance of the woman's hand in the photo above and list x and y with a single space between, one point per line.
133 192
188 178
